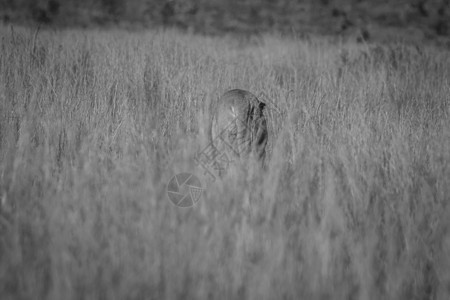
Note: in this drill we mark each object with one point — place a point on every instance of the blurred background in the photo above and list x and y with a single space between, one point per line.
412 20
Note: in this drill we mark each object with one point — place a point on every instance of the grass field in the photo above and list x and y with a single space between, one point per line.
93 125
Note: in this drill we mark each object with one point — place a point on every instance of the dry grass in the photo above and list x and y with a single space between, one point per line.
94 124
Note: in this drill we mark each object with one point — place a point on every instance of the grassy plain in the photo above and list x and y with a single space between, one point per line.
354 205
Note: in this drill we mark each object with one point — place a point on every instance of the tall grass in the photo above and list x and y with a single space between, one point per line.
354 204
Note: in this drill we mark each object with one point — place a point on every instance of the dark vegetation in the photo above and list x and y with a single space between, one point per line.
415 20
